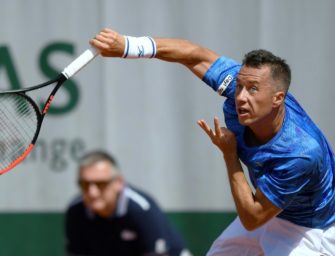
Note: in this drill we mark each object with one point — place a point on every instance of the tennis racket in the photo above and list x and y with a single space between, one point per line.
21 118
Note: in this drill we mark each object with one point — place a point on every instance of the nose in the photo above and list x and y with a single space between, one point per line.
93 190
241 95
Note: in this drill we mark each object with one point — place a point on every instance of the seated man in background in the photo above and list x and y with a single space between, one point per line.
112 218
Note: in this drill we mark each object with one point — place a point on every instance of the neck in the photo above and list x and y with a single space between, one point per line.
106 213
109 210
267 128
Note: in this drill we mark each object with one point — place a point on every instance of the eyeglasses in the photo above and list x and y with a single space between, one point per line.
100 184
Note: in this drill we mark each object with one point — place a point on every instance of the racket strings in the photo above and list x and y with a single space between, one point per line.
18 124
23 110
16 128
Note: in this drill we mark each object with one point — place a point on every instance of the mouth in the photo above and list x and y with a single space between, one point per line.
242 111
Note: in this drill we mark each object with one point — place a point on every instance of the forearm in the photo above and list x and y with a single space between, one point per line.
247 207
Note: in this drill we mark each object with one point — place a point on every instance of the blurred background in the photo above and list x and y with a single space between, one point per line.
145 111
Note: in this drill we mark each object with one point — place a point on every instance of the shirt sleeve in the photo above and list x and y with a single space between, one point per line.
221 76
157 235
284 183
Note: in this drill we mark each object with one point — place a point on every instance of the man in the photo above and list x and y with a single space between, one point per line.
112 218
290 163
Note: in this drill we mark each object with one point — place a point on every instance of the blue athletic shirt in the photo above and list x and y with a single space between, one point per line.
295 170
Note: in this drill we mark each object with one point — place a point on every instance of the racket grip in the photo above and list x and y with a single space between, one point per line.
80 62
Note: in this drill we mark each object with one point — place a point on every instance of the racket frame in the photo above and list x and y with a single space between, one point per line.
66 74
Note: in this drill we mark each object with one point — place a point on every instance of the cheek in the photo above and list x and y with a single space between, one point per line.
110 194
87 201
262 105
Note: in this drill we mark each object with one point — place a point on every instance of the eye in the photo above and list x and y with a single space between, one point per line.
239 87
253 89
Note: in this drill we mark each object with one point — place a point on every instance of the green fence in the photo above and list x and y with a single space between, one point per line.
41 234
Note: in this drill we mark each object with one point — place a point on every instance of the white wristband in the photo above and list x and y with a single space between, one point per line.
139 47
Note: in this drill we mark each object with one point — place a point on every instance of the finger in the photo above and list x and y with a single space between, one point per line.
105 34
217 126
101 37
206 128
107 30
98 45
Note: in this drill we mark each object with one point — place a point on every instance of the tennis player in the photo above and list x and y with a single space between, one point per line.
290 163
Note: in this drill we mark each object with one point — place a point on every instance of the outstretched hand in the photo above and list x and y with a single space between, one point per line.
222 137
109 43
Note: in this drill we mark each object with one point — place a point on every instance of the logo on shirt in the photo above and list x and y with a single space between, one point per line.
224 84
160 246
128 235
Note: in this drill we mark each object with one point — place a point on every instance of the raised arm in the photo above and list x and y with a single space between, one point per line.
195 57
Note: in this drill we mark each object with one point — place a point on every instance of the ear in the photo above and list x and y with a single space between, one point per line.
278 98
119 183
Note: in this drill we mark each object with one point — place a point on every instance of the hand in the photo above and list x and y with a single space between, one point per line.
109 43
223 138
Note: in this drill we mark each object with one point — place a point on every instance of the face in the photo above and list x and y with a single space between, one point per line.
100 187
255 96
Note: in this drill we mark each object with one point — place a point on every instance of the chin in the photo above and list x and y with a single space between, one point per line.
244 122
97 207
248 121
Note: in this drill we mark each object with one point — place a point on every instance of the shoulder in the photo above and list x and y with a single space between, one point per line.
135 201
221 73
138 198
76 207
302 138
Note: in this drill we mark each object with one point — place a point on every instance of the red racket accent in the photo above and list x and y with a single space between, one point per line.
46 108
18 160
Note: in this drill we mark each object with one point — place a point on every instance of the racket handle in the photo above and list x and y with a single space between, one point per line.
80 62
